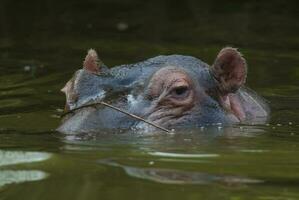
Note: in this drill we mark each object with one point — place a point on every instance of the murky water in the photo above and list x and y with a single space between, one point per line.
43 43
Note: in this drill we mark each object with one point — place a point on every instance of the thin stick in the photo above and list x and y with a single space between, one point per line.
117 109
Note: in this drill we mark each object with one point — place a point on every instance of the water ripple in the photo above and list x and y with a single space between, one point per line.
180 155
18 157
20 176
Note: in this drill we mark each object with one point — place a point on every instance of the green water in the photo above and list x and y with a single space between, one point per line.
43 42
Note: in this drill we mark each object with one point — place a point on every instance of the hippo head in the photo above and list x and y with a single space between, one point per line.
170 91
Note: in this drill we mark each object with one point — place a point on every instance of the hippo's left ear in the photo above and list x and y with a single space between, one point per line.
92 62
230 70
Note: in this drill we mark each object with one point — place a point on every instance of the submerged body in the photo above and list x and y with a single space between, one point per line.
170 91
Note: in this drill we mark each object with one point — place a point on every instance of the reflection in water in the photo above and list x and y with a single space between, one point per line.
19 157
171 176
181 155
20 176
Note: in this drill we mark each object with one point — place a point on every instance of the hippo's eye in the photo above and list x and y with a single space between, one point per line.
180 92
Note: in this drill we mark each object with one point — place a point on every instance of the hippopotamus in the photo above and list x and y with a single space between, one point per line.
171 91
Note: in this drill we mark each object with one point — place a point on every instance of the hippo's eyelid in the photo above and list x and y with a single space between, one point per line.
176 80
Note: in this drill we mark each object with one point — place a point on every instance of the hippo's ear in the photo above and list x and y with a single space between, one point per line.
230 70
92 62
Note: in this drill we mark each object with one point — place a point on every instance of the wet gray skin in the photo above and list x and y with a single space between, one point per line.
171 91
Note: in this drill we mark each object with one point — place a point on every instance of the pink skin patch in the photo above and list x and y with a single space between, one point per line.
236 107
232 104
230 70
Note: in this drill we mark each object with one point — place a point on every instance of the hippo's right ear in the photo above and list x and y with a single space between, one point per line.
92 62
230 70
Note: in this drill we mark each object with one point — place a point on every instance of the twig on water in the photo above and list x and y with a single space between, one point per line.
117 109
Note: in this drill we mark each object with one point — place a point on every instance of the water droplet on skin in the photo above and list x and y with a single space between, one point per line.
171 132
278 124
290 123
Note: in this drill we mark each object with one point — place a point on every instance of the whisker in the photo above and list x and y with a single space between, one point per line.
117 109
